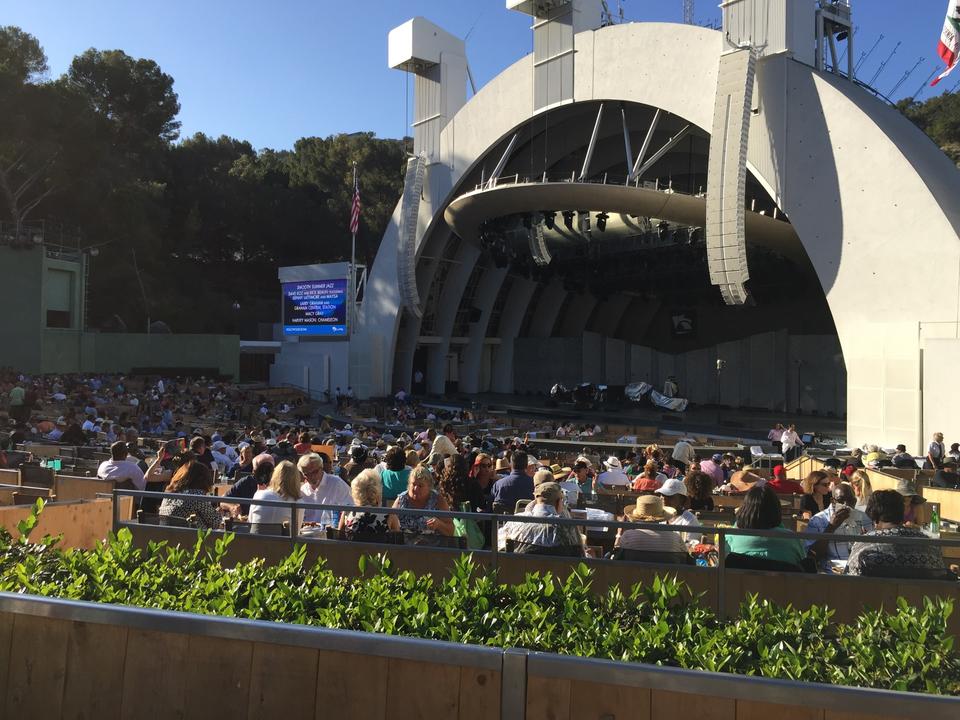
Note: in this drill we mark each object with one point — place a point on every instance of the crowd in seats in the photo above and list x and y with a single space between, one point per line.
202 437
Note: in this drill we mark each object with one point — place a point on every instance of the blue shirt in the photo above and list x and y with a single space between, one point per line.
511 488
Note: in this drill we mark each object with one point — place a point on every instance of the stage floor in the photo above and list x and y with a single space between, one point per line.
696 420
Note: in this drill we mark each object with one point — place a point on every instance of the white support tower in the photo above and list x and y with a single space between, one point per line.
688 12
438 62
556 23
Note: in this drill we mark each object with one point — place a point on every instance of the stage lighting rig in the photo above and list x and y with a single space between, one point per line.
549 219
602 221
568 218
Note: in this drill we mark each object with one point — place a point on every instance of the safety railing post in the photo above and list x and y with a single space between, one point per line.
721 576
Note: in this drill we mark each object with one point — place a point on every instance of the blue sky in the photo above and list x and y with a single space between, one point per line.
272 72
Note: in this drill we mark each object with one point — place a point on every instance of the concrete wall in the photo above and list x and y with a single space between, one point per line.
774 371
21 319
66 351
319 366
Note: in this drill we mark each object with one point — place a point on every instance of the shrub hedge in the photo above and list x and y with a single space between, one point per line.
662 623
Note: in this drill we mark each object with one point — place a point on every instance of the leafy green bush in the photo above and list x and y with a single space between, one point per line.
662 623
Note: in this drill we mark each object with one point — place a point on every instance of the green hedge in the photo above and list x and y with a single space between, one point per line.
662 623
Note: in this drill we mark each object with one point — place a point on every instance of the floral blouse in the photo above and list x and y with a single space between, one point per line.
204 509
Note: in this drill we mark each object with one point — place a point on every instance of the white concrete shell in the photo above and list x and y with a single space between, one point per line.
873 200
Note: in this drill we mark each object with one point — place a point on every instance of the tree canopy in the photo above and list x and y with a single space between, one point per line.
939 118
204 221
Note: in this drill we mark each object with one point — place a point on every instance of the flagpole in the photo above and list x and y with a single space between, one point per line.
353 263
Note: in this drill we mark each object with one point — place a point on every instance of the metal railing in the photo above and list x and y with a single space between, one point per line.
720 533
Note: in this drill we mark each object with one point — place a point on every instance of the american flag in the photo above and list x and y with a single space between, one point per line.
355 209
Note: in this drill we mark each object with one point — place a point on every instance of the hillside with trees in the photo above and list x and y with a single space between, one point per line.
938 117
96 156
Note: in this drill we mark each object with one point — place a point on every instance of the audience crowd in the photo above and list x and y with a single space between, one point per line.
191 436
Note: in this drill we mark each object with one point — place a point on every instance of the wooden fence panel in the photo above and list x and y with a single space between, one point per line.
666 705
94 689
548 698
282 682
218 685
155 676
38 662
422 690
351 686
479 694
595 701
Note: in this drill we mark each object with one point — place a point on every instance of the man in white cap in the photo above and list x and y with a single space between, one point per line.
614 476
674 494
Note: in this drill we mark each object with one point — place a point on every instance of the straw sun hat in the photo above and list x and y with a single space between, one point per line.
649 508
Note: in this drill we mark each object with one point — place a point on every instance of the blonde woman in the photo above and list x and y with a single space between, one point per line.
421 495
284 486
861 488
367 491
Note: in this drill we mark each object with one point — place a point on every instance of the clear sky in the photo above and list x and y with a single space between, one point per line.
272 72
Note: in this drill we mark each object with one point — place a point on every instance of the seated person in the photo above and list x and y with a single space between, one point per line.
914 560
518 485
613 478
946 476
120 469
544 538
674 494
841 518
249 483
650 479
742 482
903 459
699 491
366 491
816 493
661 545
781 485
192 479
761 511
421 495
284 487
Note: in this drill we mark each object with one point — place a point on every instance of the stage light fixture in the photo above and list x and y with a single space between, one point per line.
568 218
549 219
843 35
602 221
584 221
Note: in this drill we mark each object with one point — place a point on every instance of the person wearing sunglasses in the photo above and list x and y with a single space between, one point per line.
816 489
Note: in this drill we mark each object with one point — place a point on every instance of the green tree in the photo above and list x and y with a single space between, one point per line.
134 95
938 117
21 57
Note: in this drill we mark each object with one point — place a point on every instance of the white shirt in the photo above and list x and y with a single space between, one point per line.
683 452
222 460
571 492
87 426
120 470
160 387
331 490
278 515
686 518
613 478
789 439
443 445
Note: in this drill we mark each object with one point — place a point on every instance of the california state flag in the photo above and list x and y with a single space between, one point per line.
949 47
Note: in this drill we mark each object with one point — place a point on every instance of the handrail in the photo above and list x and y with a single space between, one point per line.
548 520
